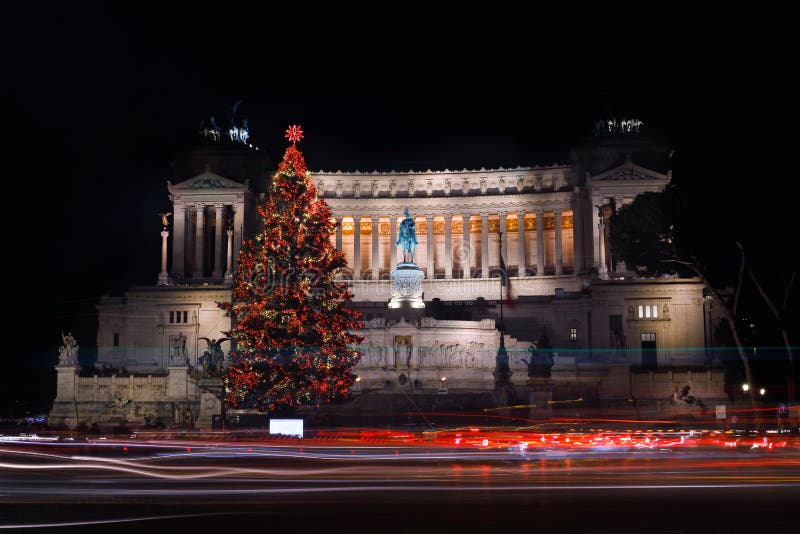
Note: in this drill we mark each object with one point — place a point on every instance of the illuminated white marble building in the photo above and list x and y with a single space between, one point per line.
615 336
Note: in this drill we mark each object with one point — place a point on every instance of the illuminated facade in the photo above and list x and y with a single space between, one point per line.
615 336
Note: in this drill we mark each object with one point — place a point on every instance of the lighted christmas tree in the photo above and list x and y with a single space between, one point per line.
291 327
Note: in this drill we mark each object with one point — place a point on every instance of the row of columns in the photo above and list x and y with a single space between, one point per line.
234 236
601 262
448 242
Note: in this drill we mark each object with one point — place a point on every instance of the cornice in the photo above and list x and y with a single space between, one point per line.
489 204
464 183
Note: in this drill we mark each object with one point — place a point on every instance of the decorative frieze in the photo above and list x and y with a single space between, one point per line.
441 183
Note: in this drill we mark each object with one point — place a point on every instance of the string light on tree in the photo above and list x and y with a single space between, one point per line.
291 324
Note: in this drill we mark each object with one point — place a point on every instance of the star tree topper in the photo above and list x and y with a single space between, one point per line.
294 133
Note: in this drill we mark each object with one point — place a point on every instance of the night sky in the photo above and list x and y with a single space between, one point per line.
99 97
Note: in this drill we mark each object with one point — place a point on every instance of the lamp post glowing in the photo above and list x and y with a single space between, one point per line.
442 386
762 392
745 387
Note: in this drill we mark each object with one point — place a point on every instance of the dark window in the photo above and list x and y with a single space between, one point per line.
649 352
185 314
116 339
172 317
615 329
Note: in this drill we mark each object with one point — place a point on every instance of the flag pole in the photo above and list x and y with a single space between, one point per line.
502 273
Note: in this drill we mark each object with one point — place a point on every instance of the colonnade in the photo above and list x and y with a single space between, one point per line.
191 219
461 245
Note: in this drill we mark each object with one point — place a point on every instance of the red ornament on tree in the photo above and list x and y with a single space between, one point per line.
291 327
294 134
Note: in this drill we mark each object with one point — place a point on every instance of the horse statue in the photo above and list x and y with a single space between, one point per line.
408 238
212 360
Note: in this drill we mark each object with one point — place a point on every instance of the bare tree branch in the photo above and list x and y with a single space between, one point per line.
780 319
788 288
739 280
764 296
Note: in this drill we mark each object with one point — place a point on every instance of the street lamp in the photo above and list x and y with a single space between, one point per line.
762 392
745 387
442 386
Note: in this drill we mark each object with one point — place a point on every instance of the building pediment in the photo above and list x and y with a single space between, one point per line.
207 180
629 172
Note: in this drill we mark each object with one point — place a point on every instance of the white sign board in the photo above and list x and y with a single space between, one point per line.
286 427
721 414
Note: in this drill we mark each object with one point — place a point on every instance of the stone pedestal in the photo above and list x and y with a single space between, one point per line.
177 383
211 393
63 413
65 409
66 378
540 393
407 287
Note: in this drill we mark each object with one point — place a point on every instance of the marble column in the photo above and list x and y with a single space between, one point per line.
338 233
539 242
559 244
448 245
199 241
577 232
178 240
466 249
484 245
596 203
218 242
603 270
238 228
429 245
618 203
374 267
163 276
392 242
229 264
503 239
356 247
521 238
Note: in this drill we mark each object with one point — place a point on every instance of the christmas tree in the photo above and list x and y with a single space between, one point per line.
291 327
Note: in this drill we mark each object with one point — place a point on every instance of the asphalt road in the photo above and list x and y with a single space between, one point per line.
371 489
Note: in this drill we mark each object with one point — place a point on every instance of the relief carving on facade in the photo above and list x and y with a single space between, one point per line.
177 351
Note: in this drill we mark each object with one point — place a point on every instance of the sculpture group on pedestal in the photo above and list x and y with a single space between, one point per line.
68 352
407 278
212 360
